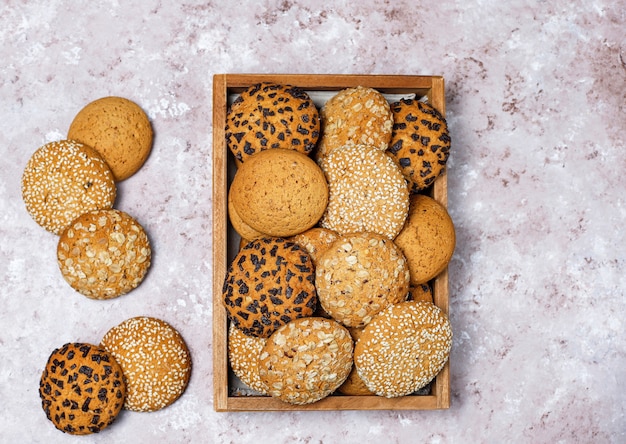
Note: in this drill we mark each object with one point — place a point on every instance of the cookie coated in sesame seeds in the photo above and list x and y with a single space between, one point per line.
269 283
403 348
279 192
63 180
243 356
155 360
269 115
306 360
104 254
367 192
355 116
428 238
360 275
420 142
82 388
119 130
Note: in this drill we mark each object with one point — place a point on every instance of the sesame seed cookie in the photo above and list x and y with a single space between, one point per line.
119 130
268 115
428 238
306 360
279 192
403 348
355 116
82 389
155 360
360 275
354 385
315 241
64 179
420 142
268 284
104 254
367 192
243 356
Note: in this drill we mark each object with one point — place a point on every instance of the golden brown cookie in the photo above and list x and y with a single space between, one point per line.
243 229
428 238
63 180
367 192
360 275
403 348
315 241
279 192
119 130
306 360
269 115
355 116
354 385
268 284
155 360
82 389
420 142
104 254
243 357
420 292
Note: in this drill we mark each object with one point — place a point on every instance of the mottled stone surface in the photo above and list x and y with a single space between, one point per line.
536 103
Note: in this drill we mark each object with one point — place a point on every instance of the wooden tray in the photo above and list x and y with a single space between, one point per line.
226 241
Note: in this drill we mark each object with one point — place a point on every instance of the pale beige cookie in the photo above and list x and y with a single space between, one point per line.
355 116
104 254
367 192
306 360
360 275
243 356
279 192
315 241
82 388
118 129
63 180
243 229
354 385
403 348
155 360
428 239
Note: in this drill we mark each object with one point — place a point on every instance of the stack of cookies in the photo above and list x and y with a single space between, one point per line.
69 188
330 290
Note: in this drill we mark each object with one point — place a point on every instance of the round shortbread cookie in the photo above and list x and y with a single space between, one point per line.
63 180
243 356
355 116
315 241
354 385
268 284
104 254
119 130
367 192
82 388
420 142
279 192
155 360
243 229
306 360
268 115
403 348
428 238
360 275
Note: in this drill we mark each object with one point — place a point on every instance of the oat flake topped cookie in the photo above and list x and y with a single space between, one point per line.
64 179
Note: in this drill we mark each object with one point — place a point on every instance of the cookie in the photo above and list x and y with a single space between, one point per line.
279 192
354 385
63 180
269 283
118 129
155 360
82 389
420 142
104 254
428 239
360 275
367 192
403 348
315 241
243 229
306 360
355 116
243 357
420 292
268 115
